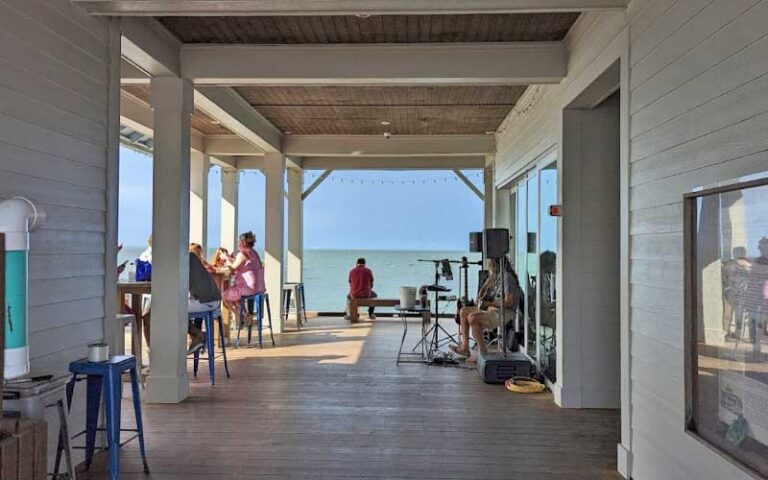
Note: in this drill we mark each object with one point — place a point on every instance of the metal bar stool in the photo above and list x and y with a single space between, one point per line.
208 317
109 374
294 291
254 305
124 320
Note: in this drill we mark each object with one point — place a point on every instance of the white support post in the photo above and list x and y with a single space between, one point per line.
488 197
111 306
230 186
274 204
295 224
198 199
172 104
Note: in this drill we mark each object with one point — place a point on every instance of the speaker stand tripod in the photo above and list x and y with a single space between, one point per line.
432 337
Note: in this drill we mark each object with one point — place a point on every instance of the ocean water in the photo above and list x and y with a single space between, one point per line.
326 271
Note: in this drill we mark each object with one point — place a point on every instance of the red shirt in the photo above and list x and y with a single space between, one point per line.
360 282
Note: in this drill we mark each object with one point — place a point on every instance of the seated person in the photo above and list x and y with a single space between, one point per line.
478 319
220 259
361 285
248 276
197 249
204 295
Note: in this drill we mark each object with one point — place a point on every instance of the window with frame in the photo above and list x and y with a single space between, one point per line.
726 242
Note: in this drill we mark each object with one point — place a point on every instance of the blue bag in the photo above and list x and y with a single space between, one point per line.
143 271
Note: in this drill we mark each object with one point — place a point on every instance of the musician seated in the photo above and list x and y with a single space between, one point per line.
361 286
487 316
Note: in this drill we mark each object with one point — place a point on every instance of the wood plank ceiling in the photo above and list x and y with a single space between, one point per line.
412 110
360 110
535 27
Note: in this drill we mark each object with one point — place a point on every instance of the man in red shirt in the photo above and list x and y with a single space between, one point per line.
361 285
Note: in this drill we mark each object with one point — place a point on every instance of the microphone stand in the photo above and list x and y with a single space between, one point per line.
434 331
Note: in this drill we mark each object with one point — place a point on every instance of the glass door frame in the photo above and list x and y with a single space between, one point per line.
545 160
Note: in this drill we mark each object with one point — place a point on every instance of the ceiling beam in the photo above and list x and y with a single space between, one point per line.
131 75
234 113
149 47
229 145
340 7
224 162
136 114
397 145
394 163
520 63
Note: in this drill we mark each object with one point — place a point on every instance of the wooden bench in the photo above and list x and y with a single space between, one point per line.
355 303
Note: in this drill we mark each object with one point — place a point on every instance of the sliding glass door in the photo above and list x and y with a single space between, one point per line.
536 246
532 265
548 272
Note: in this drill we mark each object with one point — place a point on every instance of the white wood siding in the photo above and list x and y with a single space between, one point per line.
54 77
54 72
698 113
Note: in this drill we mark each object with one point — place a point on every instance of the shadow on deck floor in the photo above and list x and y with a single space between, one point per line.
330 402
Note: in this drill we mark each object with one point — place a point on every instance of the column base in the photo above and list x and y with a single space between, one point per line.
624 461
565 397
167 389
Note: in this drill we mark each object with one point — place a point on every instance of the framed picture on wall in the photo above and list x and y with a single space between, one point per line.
726 310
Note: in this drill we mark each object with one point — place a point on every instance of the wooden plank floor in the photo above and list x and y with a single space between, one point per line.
330 402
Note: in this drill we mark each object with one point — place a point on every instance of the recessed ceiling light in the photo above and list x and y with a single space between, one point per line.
490 132
287 132
386 123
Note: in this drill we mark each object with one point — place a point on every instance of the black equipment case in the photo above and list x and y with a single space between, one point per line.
495 367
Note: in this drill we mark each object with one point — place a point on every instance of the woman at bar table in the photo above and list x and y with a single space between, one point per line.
248 275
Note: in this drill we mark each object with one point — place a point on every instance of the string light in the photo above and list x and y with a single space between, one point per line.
310 177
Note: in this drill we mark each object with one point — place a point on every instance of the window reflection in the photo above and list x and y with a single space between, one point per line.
548 273
532 262
730 289
522 248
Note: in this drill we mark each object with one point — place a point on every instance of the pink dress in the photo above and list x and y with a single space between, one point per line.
248 279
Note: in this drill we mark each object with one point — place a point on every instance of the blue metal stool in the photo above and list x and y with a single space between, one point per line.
110 373
255 306
208 317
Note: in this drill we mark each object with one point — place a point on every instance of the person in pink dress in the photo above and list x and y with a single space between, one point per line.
247 275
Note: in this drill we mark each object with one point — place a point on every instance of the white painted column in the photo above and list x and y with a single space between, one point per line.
112 196
274 204
200 164
230 187
172 104
489 196
295 224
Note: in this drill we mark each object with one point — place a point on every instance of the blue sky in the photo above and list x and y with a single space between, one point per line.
393 210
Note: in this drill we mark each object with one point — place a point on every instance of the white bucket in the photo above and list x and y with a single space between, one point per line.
407 297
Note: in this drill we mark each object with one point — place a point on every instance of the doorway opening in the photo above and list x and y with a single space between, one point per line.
589 311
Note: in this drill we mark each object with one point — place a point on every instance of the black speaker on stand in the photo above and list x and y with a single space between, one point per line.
497 367
476 242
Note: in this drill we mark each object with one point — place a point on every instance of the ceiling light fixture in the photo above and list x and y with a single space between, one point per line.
363 15
385 123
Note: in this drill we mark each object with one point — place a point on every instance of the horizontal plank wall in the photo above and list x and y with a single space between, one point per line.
698 112
54 62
